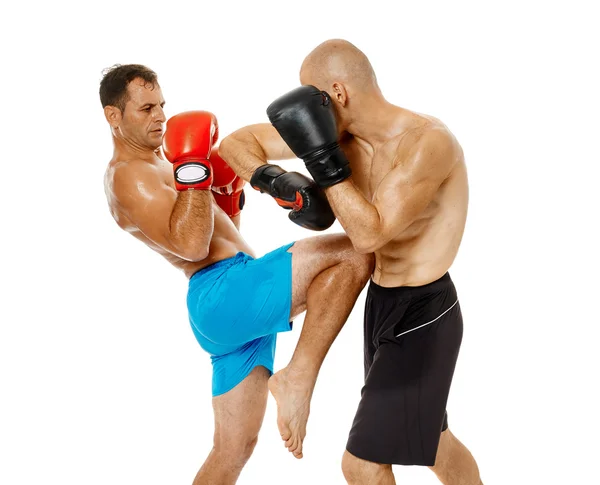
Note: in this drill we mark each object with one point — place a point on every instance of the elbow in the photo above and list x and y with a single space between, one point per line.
363 249
369 244
365 246
227 150
195 253
230 145
373 239
224 149
196 256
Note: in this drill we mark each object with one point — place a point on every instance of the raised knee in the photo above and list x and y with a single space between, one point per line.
363 265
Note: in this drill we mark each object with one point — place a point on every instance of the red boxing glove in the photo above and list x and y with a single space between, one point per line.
231 203
223 174
187 145
228 188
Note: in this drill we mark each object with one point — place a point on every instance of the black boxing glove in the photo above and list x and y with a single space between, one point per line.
305 120
293 191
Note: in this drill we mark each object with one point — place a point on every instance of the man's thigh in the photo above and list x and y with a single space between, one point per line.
239 412
314 255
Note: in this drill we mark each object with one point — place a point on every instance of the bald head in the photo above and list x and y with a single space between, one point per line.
338 60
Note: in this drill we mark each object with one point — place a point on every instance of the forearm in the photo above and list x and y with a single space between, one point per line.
191 224
243 153
359 218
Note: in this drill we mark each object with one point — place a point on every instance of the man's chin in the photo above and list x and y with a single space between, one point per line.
155 140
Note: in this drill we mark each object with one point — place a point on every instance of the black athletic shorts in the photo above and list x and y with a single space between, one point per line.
412 340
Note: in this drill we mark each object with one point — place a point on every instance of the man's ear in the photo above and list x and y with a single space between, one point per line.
339 93
113 116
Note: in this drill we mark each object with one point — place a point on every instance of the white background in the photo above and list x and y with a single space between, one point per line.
101 380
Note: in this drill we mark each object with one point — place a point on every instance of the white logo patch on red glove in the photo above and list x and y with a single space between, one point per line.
191 173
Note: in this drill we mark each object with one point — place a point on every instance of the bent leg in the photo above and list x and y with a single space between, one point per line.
327 277
454 464
239 415
361 472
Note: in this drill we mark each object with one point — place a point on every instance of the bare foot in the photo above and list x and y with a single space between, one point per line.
293 394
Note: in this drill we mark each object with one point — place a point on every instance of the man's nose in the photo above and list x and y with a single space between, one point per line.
159 114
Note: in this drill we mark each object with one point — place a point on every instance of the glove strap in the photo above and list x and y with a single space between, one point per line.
264 176
329 168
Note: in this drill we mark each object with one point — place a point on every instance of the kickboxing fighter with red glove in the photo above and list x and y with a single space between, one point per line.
397 183
184 208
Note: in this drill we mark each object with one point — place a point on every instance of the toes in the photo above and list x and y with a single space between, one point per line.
297 451
291 444
296 447
284 431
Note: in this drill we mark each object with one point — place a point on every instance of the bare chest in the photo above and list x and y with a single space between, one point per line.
369 169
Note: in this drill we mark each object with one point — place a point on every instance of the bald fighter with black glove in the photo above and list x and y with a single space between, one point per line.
397 183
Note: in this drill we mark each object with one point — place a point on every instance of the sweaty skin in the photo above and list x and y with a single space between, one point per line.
191 231
406 200
141 193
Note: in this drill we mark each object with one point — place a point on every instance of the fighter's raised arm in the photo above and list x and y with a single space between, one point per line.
401 196
252 146
247 151
180 224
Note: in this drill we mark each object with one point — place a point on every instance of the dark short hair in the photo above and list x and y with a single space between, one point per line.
115 79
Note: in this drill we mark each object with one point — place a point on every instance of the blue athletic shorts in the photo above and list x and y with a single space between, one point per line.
236 308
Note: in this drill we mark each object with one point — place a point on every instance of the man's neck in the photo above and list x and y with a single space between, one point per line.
376 123
128 150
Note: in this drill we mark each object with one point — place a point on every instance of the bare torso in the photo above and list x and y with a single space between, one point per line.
426 249
226 240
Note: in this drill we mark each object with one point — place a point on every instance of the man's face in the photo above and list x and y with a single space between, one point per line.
143 118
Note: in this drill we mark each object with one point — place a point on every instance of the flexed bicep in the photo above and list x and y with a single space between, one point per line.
149 204
408 189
